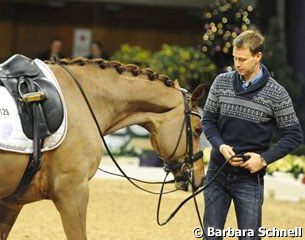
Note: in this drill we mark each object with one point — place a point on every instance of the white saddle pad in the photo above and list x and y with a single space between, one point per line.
12 137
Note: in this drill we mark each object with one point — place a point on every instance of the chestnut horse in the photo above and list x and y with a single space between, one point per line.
120 96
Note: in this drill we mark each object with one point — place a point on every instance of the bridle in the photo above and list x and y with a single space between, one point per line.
185 166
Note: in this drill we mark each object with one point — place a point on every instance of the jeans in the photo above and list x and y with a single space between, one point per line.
247 193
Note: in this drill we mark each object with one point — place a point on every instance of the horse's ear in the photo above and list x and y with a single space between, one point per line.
198 93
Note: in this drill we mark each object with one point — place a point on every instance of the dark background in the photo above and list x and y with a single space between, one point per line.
26 27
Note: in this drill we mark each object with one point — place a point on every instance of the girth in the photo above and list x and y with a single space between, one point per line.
39 106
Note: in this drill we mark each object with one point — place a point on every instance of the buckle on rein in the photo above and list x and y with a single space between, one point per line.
33 97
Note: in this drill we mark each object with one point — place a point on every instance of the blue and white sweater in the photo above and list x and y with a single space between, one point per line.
246 118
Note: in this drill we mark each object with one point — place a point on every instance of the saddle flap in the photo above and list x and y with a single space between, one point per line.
50 114
51 105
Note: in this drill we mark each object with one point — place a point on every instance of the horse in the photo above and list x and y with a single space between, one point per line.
119 95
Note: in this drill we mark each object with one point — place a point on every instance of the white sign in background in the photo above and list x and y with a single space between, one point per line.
82 41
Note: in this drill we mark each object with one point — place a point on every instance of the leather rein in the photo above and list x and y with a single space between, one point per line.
186 166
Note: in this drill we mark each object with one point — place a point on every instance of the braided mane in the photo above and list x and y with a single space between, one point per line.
119 67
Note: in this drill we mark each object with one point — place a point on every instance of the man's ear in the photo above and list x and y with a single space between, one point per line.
259 56
198 93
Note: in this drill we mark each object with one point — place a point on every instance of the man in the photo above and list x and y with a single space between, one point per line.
54 52
241 113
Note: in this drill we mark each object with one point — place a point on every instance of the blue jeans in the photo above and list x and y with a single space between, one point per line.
247 193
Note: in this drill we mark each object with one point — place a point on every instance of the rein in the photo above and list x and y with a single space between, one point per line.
186 166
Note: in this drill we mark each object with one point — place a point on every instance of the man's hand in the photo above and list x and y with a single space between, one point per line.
228 152
254 164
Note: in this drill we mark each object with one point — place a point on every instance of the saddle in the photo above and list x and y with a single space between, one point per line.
38 102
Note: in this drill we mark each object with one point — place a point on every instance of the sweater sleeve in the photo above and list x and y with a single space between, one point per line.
211 115
287 121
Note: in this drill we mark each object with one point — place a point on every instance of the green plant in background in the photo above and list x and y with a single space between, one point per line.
189 65
133 55
289 164
223 20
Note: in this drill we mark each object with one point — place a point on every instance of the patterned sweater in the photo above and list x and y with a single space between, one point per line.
246 118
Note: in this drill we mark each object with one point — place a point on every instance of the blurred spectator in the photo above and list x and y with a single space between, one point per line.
54 51
97 50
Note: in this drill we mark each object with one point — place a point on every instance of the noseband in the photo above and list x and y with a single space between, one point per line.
186 166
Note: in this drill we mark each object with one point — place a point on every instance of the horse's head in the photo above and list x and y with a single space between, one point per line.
177 140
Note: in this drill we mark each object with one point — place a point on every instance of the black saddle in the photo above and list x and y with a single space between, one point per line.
21 76
39 106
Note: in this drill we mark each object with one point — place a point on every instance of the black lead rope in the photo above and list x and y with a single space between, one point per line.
194 194
135 179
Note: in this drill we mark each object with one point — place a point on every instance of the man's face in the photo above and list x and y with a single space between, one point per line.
56 47
95 50
244 61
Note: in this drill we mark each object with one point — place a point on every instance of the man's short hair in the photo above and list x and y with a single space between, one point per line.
254 40
55 39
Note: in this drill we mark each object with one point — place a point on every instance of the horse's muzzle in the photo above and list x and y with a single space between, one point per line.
182 185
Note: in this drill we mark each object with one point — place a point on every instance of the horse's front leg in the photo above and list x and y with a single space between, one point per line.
71 201
8 215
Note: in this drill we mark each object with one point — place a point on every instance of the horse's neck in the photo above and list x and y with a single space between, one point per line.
121 100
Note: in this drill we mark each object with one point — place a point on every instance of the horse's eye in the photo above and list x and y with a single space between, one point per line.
198 131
